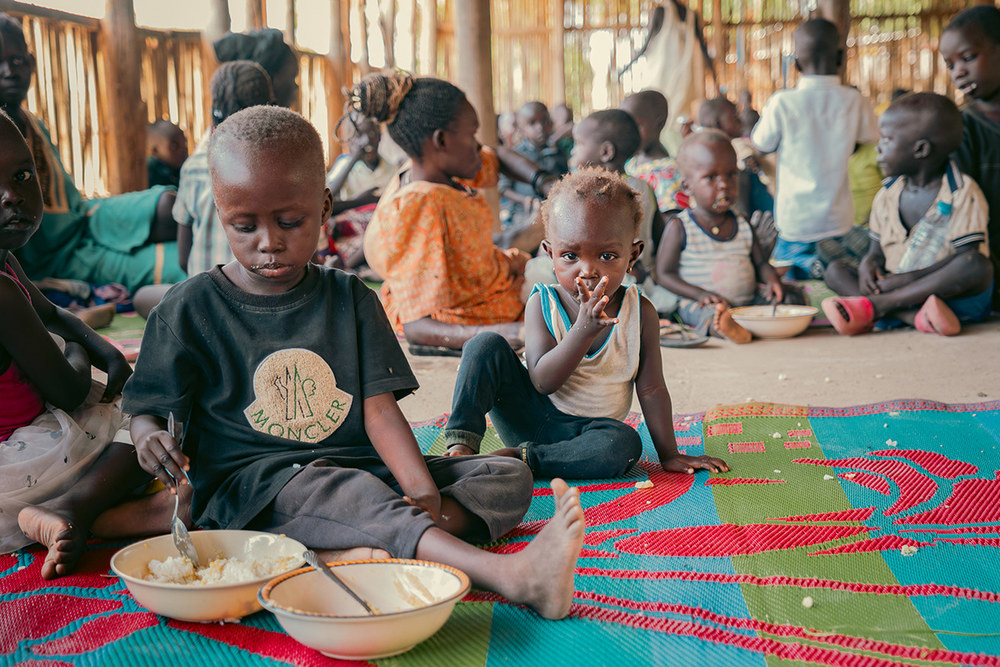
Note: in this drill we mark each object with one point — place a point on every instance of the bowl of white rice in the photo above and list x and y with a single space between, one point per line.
234 565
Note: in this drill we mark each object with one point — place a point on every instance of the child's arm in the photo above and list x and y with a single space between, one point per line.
654 399
158 452
63 380
393 439
549 363
765 272
668 263
871 269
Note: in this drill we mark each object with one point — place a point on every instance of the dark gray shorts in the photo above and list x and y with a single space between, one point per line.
354 501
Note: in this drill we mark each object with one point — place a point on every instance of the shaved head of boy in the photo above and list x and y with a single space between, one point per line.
649 109
720 114
534 123
924 126
608 138
817 47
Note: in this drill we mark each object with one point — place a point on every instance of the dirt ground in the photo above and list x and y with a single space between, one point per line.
817 368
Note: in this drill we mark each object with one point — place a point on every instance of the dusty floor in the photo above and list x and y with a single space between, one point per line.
817 368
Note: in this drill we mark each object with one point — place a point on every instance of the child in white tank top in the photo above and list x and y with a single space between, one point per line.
589 341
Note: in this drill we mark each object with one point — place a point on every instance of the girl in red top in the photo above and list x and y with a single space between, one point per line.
60 468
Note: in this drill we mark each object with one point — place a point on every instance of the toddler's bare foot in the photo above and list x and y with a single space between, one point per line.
509 452
64 540
725 326
357 553
543 571
97 317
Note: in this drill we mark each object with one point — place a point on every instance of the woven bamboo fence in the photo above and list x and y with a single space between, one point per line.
892 44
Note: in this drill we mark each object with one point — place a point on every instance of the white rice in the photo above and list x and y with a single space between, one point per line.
179 570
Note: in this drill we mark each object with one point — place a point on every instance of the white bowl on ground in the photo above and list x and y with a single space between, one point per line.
414 598
211 602
787 321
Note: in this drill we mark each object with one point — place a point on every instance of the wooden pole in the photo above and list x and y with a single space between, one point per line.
126 119
365 64
219 22
474 56
387 9
428 37
290 22
255 14
557 51
337 72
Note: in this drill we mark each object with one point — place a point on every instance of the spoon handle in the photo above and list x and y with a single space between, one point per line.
318 564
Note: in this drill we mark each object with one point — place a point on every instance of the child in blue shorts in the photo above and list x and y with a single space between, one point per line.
928 262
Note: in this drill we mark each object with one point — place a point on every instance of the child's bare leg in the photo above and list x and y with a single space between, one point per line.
357 553
63 524
842 278
540 576
724 326
146 515
967 274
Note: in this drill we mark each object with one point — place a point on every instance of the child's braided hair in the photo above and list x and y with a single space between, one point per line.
236 85
590 183
411 108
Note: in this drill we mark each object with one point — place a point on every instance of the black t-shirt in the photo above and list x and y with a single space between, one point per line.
263 383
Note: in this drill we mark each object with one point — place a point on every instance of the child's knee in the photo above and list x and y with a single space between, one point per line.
486 345
623 450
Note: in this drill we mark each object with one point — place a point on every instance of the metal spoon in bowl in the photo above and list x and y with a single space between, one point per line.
317 563
182 539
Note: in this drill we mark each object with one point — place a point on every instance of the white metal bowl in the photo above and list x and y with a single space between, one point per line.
213 602
787 320
414 598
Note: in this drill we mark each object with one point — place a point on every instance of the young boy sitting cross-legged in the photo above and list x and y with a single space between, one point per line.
287 375
927 265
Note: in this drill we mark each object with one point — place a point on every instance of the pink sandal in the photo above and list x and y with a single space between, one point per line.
849 315
936 317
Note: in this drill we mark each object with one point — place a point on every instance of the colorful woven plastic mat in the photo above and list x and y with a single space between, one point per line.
849 536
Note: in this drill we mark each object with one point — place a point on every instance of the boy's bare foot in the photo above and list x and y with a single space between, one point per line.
357 553
64 540
725 326
544 569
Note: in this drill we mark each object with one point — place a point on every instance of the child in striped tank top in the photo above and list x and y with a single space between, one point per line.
590 341
708 255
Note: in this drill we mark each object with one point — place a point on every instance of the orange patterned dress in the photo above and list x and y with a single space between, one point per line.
433 246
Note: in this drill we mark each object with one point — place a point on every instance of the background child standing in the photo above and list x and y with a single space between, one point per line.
590 342
814 128
709 255
294 426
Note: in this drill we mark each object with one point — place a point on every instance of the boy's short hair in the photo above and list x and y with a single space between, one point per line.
263 128
619 128
985 18
710 112
702 138
593 183
648 103
816 39
935 116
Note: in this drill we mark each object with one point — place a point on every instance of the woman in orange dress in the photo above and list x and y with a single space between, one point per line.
430 237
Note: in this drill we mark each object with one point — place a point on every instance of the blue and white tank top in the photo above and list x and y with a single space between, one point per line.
603 383
723 267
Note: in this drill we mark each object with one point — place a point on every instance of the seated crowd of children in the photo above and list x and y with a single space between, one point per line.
293 426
